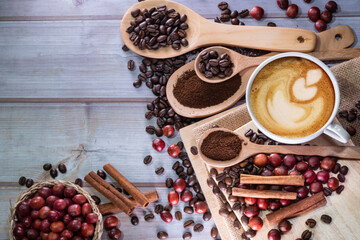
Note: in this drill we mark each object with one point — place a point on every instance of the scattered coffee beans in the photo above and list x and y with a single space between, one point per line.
47 166
212 65
159 171
207 216
188 210
178 215
147 160
188 224
194 150
310 223
62 168
22 180
131 65
306 235
149 217
198 227
326 218
340 189
134 220
53 173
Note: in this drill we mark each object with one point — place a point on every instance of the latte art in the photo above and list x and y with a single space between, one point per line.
292 97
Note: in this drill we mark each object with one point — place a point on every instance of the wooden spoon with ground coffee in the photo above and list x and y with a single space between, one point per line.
220 147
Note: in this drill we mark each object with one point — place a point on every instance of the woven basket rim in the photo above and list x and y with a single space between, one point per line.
33 189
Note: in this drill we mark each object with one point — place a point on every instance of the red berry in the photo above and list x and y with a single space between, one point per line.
292 11
158 144
58 190
281 171
260 160
87 229
327 163
274 234
326 16
275 159
35 214
322 176
86 209
333 183
173 198
50 200
320 25
251 211
250 200
294 172
274 205
91 218
44 192
32 233
115 234
283 4
57 226
256 223
74 225
27 221
168 131
44 212
186 196
79 199
67 234
179 185
166 216
59 204
309 176
69 192
111 222
263 203
173 150
284 226
314 14
289 161
302 192
257 12
302 166
316 187
285 202
200 207
314 162
331 6
37 202
74 210
54 216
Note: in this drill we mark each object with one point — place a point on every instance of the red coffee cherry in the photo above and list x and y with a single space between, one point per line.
292 11
257 12
314 14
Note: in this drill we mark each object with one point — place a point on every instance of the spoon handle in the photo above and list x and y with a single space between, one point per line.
246 62
343 152
266 38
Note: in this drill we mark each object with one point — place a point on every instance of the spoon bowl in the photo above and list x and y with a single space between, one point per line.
202 32
249 149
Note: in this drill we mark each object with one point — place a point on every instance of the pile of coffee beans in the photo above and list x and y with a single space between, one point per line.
55 212
350 116
232 16
158 27
213 65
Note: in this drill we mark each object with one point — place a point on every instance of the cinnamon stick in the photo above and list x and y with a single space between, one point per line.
239 192
128 186
103 187
294 180
110 208
306 205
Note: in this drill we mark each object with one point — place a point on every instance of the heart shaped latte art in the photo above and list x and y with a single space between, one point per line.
302 89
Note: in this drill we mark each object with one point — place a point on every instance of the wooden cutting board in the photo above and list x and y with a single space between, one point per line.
344 208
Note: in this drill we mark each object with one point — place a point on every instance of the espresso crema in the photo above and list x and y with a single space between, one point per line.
292 97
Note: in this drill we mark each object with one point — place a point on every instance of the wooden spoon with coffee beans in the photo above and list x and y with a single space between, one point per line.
241 62
202 32
249 149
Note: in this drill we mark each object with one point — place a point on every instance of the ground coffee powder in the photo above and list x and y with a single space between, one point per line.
192 92
222 146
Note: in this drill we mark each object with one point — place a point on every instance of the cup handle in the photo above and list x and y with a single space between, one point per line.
337 132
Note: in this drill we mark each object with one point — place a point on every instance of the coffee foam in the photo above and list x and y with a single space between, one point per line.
292 97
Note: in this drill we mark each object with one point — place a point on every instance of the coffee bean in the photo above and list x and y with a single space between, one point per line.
210 182
179 170
271 24
306 235
235 21
222 198
162 235
176 165
214 232
197 187
178 215
207 216
168 207
187 236
351 117
188 210
250 233
237 224
180 145
244 237
326 218
47 166
327 191
79 182
213 172
169 183
125 48
149 217
191 180
220 177
29 182
236 206
193 201
344 170
351 130
223 5
188 224
159 208
224 212
22 180
226 11
245 220
253 137
234 14
158 132
340 189
101 174
62 168
148 114
249 132
222 185
53 173
186 163
244 13
194 150
198 227
341 177
216 190
131 65
310 223
159 170
336 168
134 220
96 199
147 159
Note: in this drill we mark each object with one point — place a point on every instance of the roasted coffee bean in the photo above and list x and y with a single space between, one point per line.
188 210
210 182
224 212
22 180
180 144
244 13
188 224
159 171
149 217
222 186
351 130
179 170
186 163
183 175
135 12
191 180
250 233
233 199
216 190
131 65
220 177
242 209
249 132
147 159
125 48
134 220
197 187
148 115
200 196
214 232
159 208
222 198
228 181
236 206
253 137
193 201
327 191
169 183
336 168
271 24
198 227
168 207
53 173
245 220
162 235
158 132
343 114
351 117
207 216
235 21
101 174
213 172
178 215
29 182
340 189
176 165
306 235
310 223
234 14
96 199
150 130
344 170
47 166
237 224
223 5
62 168
194 150
79 182
137 83
244 237
341 177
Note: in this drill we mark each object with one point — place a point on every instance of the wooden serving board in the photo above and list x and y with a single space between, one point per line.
343 208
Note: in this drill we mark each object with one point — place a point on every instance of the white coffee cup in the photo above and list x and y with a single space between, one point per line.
330 128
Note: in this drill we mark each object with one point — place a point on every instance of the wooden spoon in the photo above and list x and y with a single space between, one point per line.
202 32
250 149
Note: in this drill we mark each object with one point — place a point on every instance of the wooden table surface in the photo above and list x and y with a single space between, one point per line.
66 96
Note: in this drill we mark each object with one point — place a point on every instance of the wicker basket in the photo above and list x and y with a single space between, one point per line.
25 195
